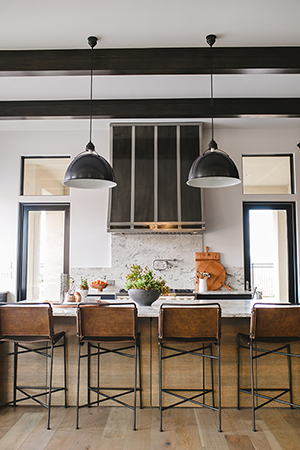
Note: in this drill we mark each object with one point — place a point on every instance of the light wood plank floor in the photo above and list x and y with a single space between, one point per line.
105 428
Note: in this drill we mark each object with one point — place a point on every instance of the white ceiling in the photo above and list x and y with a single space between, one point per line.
54 24
147 86
36 24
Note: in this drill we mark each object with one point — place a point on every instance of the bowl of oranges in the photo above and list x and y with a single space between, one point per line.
98 284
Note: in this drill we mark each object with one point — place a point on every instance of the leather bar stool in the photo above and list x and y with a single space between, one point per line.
100 325
24 325
190 325
273 328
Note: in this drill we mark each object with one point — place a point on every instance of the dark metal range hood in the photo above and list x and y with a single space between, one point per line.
151 163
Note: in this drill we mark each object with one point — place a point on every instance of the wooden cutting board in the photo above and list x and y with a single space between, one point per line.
210 262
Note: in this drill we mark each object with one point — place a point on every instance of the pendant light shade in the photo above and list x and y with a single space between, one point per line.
89 170
214 168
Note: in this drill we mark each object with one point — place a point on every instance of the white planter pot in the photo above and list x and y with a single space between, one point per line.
84 293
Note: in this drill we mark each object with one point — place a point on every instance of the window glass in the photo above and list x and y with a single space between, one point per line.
44 176
45 254
268 174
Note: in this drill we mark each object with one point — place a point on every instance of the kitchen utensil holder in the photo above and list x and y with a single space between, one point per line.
202 285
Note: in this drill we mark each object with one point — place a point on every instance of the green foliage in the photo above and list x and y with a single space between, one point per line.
139 278
83 283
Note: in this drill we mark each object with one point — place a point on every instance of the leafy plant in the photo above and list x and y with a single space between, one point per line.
139 278
83 284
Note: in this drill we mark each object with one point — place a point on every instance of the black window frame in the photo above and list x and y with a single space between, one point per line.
267 155
24 209
290 208
23 170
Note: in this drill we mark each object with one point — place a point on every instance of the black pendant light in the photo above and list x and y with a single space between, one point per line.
214 168
89 170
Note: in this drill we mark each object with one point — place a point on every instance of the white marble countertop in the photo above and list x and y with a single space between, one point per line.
230 308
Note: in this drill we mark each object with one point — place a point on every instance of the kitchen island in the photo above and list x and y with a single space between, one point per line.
185 371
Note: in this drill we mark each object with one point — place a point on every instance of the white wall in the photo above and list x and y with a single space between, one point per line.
223 207
90 243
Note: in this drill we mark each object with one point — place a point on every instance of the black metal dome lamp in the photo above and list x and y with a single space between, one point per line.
89 170
214 168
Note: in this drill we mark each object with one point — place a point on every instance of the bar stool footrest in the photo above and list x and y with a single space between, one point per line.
203 392
33 397
115 398
270 399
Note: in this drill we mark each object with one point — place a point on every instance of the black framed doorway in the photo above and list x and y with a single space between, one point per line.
289 209
44 242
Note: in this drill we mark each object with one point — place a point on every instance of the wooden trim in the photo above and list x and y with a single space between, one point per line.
185 108
150 61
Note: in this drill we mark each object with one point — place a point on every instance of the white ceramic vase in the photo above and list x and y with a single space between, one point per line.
202 285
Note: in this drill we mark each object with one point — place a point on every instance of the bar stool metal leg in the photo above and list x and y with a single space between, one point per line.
252 385
98 372
203 372
78 383
219 385
140 373
238 373
212 376
65 371
290 373
89 375
134 389
50 385
16 347
160 386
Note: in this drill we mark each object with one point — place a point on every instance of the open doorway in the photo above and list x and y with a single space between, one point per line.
270 250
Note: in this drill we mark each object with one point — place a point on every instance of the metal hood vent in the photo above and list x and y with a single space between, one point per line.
151 163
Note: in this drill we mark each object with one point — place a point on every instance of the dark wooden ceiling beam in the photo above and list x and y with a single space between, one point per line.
150 61
152 108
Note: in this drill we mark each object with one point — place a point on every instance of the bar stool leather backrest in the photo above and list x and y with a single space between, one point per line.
106 321
26 320
189 322
271 321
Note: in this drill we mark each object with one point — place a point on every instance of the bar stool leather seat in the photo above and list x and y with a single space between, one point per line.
25 324
271 323
188 324
101 324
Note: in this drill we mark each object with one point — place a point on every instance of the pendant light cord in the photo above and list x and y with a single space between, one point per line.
211 93
91 97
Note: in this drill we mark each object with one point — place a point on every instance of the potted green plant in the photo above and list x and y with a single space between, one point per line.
142 286
83 288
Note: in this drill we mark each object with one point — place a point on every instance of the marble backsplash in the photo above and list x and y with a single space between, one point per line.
144 249
235 278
